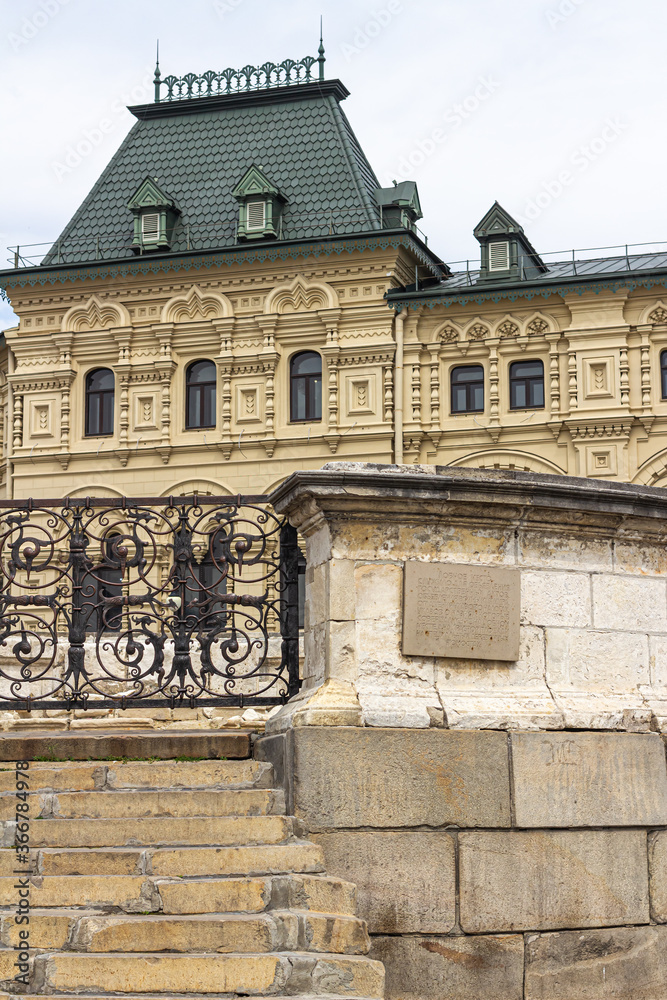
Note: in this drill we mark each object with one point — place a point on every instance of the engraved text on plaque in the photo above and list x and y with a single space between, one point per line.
471 612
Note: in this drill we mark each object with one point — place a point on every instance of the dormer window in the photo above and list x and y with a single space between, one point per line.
261 206
499 256
155 216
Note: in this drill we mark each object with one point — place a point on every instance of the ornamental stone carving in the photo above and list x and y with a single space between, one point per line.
197 305
537 327
508 329
449 335
478 332
658 315
95 315
300 295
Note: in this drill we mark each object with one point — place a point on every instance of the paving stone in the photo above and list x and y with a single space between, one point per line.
400 778
461 968
589 779
621 963
548 880
405 881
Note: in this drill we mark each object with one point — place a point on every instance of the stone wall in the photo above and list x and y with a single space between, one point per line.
593 564
512 866
505 822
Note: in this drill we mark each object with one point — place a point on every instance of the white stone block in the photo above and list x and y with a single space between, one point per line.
378 588
555 598
629 603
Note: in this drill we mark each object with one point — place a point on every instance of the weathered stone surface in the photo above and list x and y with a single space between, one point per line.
544 881
589 779
405 881
658 877
118 746
130 893
597 678
256 860
347 777
544 549
555 598
624 963
161 830
228 895
479 694
629 603
465 968
80 861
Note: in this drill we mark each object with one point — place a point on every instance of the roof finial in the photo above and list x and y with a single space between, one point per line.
156 78
321 59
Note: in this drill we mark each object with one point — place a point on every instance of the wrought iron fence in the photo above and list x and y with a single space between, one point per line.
125 602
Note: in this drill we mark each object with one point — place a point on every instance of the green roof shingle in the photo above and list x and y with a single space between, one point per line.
198 150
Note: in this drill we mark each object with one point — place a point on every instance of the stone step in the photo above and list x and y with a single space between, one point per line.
94 931
248 974
144 802
141 746
161 996
145 830
277 930
296 856
151 894
76 776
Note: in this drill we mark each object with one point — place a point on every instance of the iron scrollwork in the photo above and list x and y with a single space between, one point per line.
123 602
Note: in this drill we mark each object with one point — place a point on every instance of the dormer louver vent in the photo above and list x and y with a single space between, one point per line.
499 256
150 226
256 215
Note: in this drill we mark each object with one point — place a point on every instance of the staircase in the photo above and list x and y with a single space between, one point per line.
164 878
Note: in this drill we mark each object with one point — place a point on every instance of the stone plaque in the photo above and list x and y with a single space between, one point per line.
467 612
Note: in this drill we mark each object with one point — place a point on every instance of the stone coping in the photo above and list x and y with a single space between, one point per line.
421 489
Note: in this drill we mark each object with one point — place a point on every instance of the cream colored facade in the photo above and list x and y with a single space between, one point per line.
604 414
249 320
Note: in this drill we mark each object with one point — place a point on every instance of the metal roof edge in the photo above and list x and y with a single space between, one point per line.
528 289
268 95
147 263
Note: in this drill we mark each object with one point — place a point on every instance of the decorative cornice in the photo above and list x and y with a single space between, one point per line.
144 265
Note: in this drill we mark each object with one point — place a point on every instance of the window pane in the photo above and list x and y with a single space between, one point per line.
316 399
478 397
469 373
458 399
201 371
101 378
526 369
519 394
298 399
208 405
664 383
308 363
193 406
107 413
537 393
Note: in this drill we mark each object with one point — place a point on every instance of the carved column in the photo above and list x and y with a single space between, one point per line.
226 380
64 426
18 421
572 379
624 375
494 427
124 418
388 379
268 358
554 374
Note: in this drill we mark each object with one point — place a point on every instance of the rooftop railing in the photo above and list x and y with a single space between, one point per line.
186 237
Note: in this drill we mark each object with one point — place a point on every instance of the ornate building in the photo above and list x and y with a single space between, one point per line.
237 298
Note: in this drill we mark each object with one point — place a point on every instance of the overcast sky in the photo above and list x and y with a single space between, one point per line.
553 107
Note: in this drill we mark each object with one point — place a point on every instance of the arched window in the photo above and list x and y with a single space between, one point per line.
526 385
467 389
200 380
663 373
306 386
99 402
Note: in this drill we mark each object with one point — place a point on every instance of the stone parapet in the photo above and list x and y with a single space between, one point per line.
593 566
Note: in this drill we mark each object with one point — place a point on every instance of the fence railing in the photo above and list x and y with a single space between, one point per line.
119 602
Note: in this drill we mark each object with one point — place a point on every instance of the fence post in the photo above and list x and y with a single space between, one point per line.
289 605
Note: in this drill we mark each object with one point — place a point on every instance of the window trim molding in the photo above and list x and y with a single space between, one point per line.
87 393
527 379
214 383
309 377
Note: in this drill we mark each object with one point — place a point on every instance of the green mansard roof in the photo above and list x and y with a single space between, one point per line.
198 150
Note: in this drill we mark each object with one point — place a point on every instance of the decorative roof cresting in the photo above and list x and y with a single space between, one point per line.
236 81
